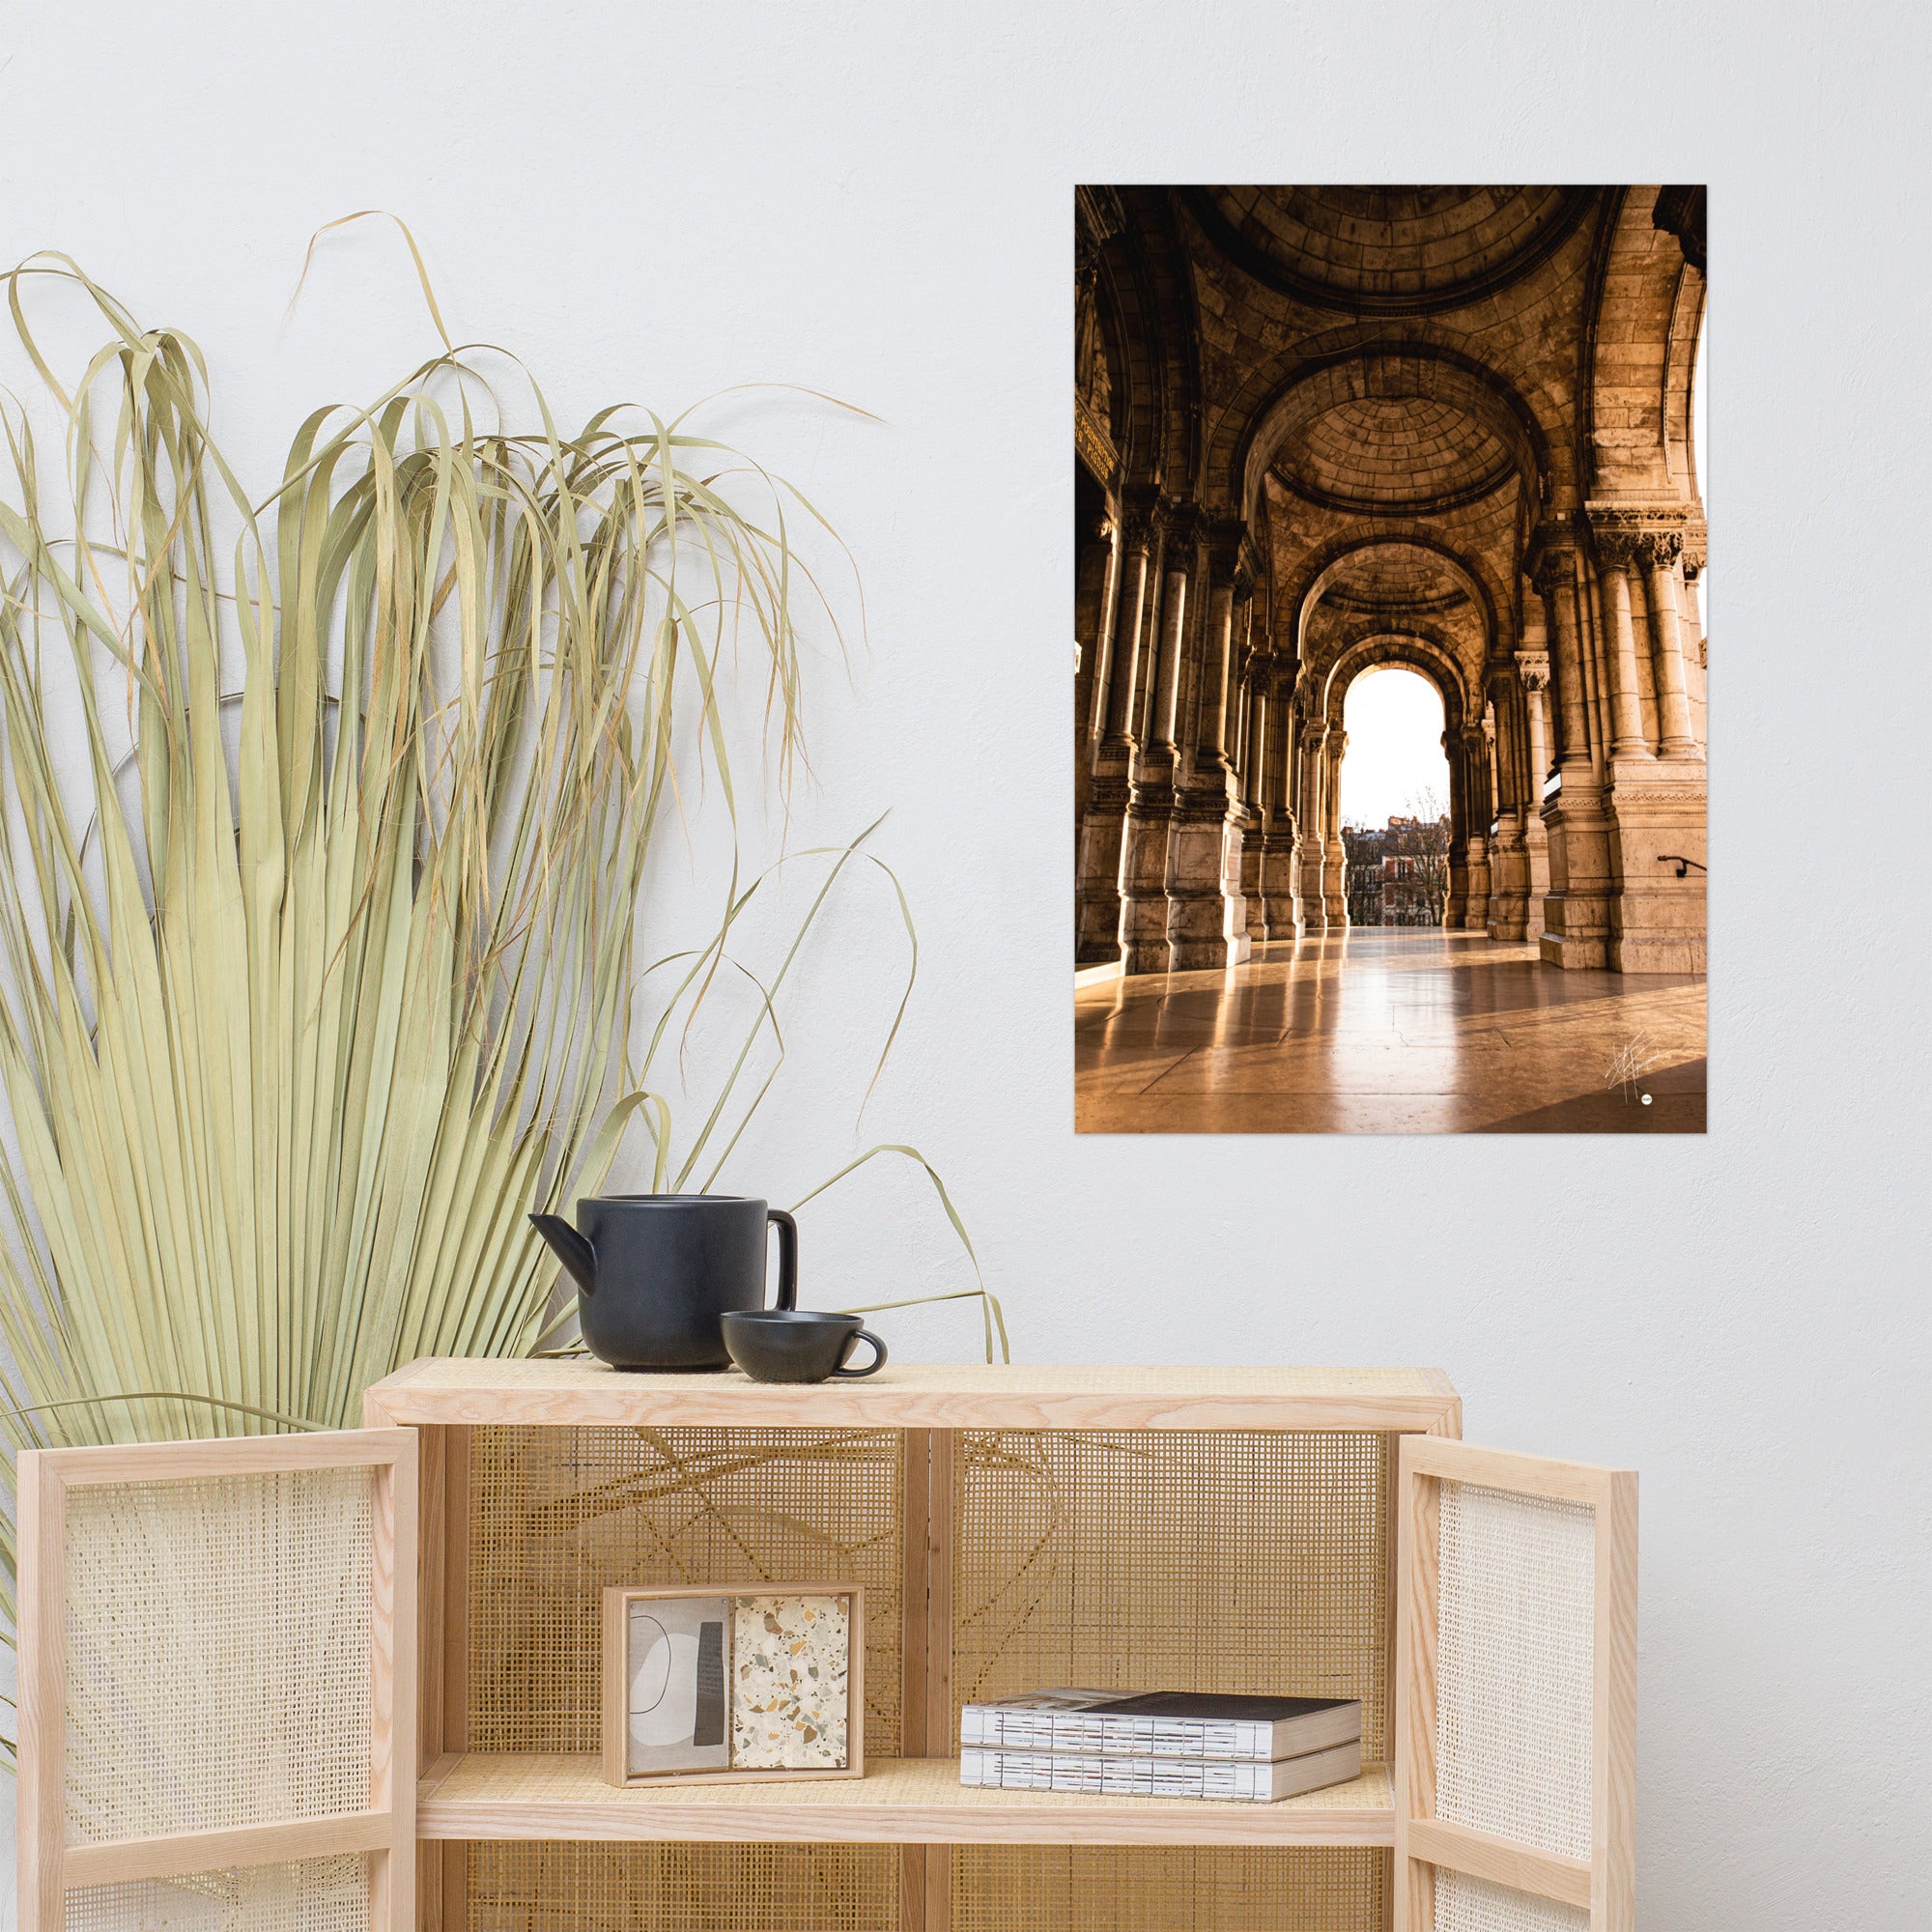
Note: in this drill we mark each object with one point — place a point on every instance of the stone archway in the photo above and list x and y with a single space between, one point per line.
1398 718
1462 430
1325 866
1324 569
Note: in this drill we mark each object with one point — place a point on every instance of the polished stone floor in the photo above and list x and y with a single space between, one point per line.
1389 1031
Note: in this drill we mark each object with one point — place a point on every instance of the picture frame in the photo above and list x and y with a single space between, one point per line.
738 1683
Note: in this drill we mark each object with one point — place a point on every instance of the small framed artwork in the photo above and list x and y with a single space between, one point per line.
746 1684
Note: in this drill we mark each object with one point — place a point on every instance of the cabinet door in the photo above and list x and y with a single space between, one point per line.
218 1685
1515 1692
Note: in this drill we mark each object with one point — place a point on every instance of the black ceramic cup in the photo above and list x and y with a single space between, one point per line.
789 1345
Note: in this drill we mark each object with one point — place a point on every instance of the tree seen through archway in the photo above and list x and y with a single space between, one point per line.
1394 799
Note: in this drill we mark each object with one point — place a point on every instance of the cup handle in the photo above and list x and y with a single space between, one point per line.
873 1367
788 1257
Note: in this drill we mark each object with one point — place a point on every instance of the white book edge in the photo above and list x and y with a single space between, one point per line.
1223 1780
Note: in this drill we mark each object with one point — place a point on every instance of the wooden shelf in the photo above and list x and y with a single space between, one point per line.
535 1394
898 1802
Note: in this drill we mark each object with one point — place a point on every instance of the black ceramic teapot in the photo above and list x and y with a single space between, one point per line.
655 1272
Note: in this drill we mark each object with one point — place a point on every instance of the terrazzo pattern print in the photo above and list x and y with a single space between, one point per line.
790 1659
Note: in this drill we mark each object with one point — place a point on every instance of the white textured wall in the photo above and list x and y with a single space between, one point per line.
874 200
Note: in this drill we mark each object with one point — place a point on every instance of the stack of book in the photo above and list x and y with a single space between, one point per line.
1164 1744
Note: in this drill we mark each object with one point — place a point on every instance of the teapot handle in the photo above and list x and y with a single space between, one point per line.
788 1257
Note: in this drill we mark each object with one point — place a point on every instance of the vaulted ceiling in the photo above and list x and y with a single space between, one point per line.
1389 250
1392 386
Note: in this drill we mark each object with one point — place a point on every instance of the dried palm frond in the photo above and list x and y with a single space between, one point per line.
319 974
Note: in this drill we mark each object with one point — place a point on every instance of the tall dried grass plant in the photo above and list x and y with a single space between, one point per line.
321 973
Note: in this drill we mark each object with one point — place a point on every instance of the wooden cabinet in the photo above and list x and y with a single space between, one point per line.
1318 1530
217 1695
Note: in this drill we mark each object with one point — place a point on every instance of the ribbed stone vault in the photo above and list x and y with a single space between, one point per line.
1391 578
1394 453
1388 249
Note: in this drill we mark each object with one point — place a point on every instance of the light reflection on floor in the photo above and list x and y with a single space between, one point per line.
1378 1031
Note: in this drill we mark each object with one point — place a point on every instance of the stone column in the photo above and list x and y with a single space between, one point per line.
1616 554
1255 798
1151 792
1095 580
1575 912
1533 669
1237 940
1587 589
1660 550
1335 857
1201 925
1508 867
1690 625
1281 880
1216 645
1172 666
1239 699
1094 591
1097 857
1476 845
1455 894
1314 825
1240 916
1555 583
1656 805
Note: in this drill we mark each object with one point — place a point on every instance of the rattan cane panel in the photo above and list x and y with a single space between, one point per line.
541 1887
218 1651
1514 1667
1464 1904
557 1514
1106 1889
312 1895
1239 1561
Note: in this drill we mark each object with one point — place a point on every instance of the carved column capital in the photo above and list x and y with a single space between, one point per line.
1551 558
1533 667
1617 533
1226 535
1140 518
1617 549
1636 535
1660 549
1185 524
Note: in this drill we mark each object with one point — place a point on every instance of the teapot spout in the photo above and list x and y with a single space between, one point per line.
570 1248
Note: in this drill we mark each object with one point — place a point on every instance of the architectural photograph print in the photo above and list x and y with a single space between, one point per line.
1390 660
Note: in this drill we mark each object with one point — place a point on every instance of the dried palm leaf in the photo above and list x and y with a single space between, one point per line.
315 984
